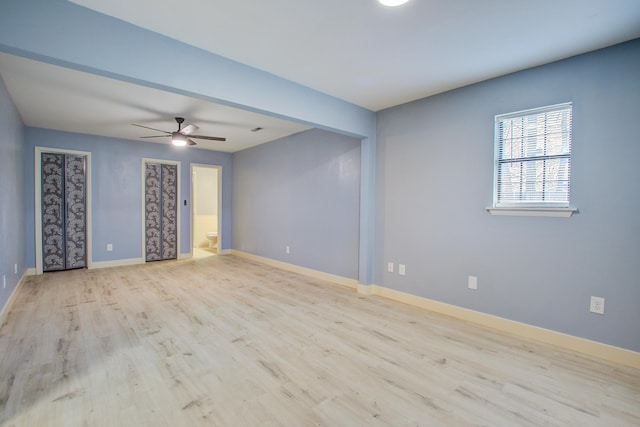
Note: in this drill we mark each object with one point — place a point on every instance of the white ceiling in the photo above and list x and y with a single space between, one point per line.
357 50
377 57
53 97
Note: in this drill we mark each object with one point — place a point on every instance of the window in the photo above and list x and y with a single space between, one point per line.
533 160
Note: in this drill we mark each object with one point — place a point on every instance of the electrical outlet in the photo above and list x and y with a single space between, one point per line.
473 282
287 249
402 270
597 305
15 268
109 247
390 267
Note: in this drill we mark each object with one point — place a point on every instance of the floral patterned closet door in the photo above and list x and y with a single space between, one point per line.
161 209
64 211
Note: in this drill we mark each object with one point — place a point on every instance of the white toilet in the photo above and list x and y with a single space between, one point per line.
212 237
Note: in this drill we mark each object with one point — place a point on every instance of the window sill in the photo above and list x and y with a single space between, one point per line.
549 212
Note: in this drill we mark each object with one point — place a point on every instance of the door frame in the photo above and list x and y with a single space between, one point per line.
38 201
219 213
146 160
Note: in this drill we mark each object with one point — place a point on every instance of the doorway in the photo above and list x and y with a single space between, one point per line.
205 210
63 213
161 215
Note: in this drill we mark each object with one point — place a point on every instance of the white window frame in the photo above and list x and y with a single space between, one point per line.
530 207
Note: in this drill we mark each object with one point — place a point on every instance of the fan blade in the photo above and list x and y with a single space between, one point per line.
210 138
191 142
155 136
189 129
147 127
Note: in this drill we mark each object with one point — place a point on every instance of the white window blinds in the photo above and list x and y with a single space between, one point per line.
533 158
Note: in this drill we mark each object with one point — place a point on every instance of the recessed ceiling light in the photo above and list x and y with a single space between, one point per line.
393 2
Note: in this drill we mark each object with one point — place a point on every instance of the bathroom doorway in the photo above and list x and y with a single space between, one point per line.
205 210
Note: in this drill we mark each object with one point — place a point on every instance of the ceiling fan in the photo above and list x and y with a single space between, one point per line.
182 136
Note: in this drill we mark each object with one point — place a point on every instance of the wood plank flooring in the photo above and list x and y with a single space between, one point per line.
222 341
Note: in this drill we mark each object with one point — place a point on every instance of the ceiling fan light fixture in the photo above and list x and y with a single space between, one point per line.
393 2
182 136
178 139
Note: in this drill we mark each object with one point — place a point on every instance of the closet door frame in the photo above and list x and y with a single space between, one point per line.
142 200
38 201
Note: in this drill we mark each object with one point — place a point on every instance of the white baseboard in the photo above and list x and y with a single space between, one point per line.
116 263
523 330
7 307
339 280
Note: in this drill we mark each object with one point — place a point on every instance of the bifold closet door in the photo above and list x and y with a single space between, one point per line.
64 211
161 211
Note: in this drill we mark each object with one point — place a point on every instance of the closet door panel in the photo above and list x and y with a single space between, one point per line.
53 202
76 246
169 211
153 218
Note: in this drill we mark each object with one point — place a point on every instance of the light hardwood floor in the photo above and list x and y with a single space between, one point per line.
223 341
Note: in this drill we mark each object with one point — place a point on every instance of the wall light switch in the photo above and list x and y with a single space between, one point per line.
402 269
287 249
15 268
473 282
390 267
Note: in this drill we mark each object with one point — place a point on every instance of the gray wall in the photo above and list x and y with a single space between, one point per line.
435 171
303 192
12 226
